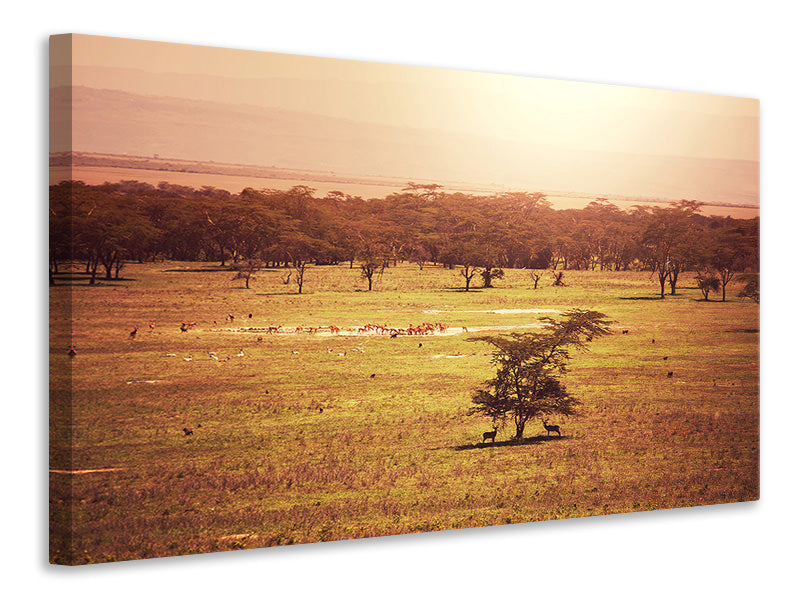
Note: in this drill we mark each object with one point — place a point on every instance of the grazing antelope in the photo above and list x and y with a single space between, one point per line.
490 435
133 333
551 428
187 431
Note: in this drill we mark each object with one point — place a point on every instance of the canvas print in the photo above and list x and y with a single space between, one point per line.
297 299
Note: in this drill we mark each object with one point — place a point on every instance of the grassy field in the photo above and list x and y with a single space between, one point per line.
312 437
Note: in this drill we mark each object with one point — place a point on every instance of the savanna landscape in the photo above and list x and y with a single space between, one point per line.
279 367
297 299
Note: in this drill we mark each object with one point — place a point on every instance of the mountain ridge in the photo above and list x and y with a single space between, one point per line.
119 122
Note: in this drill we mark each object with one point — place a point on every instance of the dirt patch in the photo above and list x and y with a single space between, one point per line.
85 471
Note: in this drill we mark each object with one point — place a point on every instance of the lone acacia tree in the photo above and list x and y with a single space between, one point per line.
246 270
528 382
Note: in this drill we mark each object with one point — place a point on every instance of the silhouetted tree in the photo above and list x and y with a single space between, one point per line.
528 382
246 270
707 283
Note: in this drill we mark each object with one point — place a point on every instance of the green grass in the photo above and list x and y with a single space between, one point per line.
395 453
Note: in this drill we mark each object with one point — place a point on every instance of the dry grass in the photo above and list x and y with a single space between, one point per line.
394 453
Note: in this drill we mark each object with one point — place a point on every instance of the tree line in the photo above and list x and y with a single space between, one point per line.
106 226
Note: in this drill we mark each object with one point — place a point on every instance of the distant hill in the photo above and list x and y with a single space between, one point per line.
116 122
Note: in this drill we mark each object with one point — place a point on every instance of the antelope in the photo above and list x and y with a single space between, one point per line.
72 352
490 435
551 428
133 333
187 431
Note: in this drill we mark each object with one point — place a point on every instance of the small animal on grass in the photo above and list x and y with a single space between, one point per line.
187 431
624 332
551 428
666 357
72 352
133 333
372 376
489 435
669 375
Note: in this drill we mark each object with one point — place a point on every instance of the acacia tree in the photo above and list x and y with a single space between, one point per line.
667 243
751 289
528 382
735 249
300 267
707 283
371 268
246 270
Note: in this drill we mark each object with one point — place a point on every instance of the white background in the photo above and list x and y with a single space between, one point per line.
732 48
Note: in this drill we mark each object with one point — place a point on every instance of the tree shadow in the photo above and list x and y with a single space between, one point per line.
200 270
462 290
642 298
528 441
84 282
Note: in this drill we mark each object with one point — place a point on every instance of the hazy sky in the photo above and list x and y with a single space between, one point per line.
571 115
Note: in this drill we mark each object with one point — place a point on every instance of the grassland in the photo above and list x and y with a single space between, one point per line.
296 441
